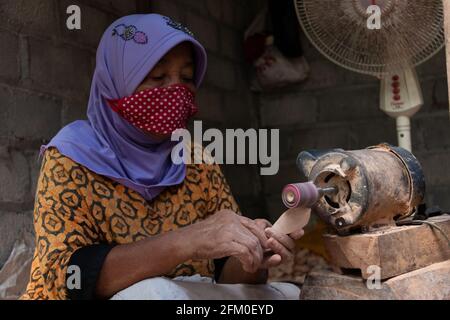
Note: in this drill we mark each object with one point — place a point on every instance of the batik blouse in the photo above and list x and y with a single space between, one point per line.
79 216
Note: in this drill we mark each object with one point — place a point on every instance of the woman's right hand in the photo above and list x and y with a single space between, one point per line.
226 233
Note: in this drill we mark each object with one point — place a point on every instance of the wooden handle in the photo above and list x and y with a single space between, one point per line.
292 220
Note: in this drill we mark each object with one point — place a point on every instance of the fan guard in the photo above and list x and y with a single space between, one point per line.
411 32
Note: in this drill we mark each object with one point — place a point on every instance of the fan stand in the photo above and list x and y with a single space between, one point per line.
401 97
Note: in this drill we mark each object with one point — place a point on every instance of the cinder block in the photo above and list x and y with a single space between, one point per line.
14 172
323 137
309 50
438 196
324 74
35 117
93 24
124 7
210 104
436 132
244 13
238 106
228 8
194 6
289 109
170 9
73 110
231 43
11 225
214 8
349 104
371 132
30 17
6 100
29 115
60 70
221 73
9 56
435 167
115 7
205 30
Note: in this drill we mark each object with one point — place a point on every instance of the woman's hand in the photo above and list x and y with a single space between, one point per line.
225 233
280 247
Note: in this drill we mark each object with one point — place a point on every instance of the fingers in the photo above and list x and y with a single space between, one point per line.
263 223
278 248
271 261
252 244
284 239
297 234
250 263
257 228
280 244
243 254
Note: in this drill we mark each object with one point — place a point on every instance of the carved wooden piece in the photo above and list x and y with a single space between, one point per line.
395 250
292 220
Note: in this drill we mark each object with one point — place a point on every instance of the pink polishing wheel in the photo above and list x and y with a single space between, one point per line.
300 195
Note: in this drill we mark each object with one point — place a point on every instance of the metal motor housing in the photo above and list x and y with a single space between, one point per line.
376 185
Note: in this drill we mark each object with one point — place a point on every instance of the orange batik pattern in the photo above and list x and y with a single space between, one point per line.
75 207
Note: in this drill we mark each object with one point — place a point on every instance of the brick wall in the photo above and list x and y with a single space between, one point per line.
336 108
45 76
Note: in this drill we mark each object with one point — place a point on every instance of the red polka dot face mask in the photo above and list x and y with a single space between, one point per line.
158 110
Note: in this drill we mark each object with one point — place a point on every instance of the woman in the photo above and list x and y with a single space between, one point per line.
112 207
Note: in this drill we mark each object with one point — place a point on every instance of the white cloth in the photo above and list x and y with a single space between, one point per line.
202 288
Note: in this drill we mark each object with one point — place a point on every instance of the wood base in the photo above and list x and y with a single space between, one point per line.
429 283
396 250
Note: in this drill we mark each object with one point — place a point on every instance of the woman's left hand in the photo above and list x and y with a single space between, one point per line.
281 247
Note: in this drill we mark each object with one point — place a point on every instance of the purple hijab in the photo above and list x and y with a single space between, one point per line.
106 143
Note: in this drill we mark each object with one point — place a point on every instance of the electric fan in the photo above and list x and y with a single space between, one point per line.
408 33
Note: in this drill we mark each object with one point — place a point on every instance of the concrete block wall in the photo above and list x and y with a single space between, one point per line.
336 108
45 77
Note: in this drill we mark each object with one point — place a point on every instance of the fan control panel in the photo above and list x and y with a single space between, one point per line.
401 94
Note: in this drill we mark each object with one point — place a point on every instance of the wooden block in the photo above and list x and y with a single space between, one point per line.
395 250
292 220
429 283
327 285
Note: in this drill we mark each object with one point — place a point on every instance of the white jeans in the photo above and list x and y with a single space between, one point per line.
201 288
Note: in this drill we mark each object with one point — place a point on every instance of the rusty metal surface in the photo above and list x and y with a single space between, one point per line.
375 186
